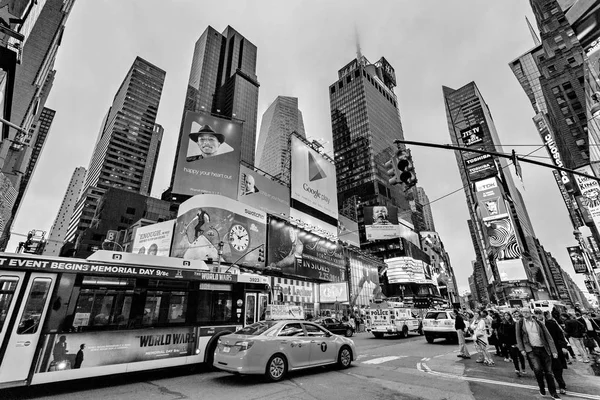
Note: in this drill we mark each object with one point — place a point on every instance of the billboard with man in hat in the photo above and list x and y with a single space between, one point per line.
208 157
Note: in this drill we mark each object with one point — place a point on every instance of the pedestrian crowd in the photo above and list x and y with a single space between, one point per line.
549 341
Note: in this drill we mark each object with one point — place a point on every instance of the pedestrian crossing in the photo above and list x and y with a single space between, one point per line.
377 360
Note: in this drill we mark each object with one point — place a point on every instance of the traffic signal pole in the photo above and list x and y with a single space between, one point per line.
493 153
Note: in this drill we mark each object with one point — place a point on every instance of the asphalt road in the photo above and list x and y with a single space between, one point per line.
389 368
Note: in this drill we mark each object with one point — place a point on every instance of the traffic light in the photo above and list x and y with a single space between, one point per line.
261 253
401 169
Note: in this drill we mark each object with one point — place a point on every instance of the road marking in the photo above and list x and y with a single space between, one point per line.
424 368
381 360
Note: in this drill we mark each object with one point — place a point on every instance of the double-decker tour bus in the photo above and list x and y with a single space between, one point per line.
65 318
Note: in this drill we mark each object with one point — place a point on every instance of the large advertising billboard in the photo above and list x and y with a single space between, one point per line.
364 280
480 166
206 220
541 122
333 292
472 135
502 239
261 192
408 270
490 199
294 251
208 160
313 179
348 231
576 256
155 239
590 193
511 270
312 224
381 222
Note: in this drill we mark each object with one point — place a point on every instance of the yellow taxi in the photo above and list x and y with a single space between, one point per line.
276 346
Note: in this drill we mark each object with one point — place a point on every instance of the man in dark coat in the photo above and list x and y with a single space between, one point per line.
560 363
535 342
576 330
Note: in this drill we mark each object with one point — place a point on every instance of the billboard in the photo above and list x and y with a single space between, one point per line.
313 179
348 231
294 251
261 192
364 280
541 122
206 220
381 222
155 239
490 199
313 224
502 239
208 159
480 167
576 256
472 135
511 270
333 292
408 270
590 193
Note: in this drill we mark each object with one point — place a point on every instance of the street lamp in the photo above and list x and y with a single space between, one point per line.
113 242
586 256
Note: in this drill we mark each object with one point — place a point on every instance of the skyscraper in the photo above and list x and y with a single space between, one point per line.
61 222
427 214
273 148
38 29
127 146
365 122
223 82
504 238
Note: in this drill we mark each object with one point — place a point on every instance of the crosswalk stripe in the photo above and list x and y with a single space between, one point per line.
381 360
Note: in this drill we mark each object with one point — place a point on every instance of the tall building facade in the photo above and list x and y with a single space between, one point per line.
365 121
273 148
223 82
427 213
127 147
28 51
470 125
58 231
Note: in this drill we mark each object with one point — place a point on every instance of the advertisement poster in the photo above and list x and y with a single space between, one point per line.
312 224
407 270
502 238
547 136
206 220
348 231
154 240
313 179
576 256
95 349
333 292
511 270
472 135
297 252
480 167
590 193
490 199
381 222
261 192
364 280
208 159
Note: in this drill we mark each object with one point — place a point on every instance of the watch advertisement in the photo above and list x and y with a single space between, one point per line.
294 251
216 228
208 158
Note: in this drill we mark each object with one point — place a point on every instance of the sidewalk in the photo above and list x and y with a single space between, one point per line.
579 376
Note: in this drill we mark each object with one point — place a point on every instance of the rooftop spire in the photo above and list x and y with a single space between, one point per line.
536 39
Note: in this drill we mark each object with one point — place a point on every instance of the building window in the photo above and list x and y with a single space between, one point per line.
551 69
556 90
567 85
332 90
130 210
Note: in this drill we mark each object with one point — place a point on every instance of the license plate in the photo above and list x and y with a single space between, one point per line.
435 322
226 349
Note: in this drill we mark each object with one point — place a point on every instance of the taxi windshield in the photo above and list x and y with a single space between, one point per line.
257 328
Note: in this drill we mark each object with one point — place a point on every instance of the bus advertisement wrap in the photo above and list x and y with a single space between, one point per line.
67 351
208 159
154 240
207 222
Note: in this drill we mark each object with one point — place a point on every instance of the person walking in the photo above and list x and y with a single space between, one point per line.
590 329
480 334
535 342
495 336
459 326
576 330
560 363
509 328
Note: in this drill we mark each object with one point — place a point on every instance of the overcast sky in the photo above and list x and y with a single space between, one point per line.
301 46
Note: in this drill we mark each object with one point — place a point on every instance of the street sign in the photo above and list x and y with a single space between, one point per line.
112 235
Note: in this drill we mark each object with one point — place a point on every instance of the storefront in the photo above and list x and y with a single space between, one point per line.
296 292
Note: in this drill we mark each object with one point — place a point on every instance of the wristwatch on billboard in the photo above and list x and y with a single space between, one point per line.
239 238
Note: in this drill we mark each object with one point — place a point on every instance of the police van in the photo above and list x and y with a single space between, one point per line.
391 318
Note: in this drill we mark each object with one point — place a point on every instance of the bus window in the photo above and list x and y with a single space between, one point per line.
164 307
8 285
214 307
177 307
30 319
152 307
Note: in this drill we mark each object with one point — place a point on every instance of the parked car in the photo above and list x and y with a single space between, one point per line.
439 324
274 348
335 326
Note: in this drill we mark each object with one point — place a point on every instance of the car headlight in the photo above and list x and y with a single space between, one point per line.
244 345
